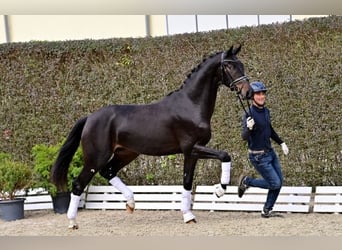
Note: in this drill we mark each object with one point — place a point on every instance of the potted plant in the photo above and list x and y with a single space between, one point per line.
15 176
44 157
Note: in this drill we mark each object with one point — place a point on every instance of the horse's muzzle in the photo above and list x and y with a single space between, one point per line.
246 91
249 94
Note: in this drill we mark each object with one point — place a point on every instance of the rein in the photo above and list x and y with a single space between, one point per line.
243 106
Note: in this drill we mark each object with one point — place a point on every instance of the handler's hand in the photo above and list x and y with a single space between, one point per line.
284 148
250 123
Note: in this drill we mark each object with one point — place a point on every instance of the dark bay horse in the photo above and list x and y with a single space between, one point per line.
115 135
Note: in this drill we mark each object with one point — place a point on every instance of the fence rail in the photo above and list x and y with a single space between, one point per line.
146 197
327 199
291 199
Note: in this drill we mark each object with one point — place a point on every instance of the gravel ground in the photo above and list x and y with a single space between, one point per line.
169 223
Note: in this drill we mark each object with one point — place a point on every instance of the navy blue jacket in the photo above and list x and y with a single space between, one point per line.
259 137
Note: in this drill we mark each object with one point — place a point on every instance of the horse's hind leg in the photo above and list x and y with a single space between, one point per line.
93 161
121 159
78 186
126 191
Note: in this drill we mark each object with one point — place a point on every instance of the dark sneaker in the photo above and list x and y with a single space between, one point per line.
268 213
242 186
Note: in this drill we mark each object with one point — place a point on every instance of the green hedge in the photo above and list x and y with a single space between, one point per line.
46 86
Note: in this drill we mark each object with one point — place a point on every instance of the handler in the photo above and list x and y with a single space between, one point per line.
257 131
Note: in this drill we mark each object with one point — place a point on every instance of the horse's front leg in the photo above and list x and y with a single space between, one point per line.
188 176
203 152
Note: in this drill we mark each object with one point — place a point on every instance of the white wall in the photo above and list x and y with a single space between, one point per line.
23 28
66 27
2 29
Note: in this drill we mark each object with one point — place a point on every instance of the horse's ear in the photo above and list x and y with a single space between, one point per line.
230 51
237 50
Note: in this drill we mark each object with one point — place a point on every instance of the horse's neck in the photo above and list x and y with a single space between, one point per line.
202 86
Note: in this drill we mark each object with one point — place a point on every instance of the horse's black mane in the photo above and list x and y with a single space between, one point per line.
194 70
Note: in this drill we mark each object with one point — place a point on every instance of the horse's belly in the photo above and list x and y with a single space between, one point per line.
150 142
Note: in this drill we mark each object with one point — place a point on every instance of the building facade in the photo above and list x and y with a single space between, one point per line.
24 28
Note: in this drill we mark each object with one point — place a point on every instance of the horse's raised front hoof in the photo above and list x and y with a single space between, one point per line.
130 205
73 225
189 218
219 191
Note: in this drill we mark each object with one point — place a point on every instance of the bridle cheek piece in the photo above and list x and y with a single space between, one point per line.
232 84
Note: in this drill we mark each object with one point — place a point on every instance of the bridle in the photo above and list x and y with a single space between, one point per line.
226 74
232 85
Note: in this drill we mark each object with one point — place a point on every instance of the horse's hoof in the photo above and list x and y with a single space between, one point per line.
129 209
219 191
189 218
73 225
191 221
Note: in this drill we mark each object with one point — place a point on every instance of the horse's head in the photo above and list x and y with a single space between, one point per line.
233 73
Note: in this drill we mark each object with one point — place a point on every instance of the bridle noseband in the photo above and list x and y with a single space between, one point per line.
232 84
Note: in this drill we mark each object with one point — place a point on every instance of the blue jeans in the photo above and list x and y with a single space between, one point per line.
268 166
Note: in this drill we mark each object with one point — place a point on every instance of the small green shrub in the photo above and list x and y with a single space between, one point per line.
14 176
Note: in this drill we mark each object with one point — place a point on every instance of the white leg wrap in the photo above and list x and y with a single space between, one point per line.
186 206
225 174
73 206
119 185
186 201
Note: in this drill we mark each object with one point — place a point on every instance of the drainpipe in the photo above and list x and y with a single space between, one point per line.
196 20
167 25
7 30
148 25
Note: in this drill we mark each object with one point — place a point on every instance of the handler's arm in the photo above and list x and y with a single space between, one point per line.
275 136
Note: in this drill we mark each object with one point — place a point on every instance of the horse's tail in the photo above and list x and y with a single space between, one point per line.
59 171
